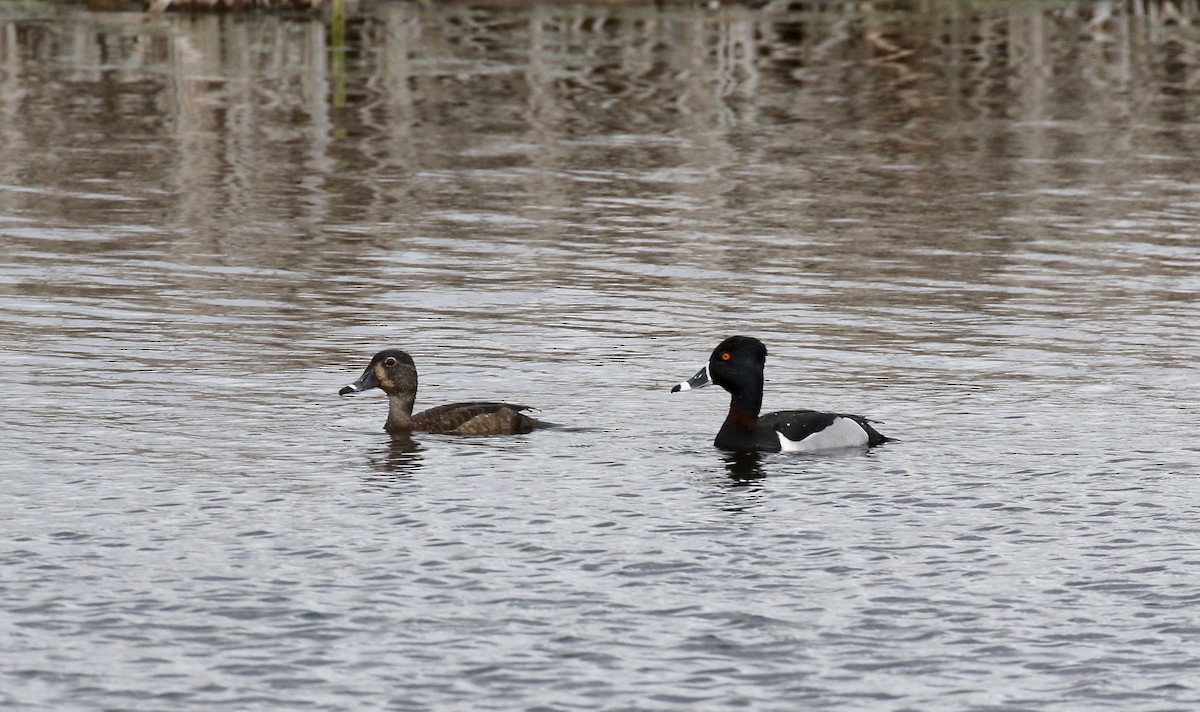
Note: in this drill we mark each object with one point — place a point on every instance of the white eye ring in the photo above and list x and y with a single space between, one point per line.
389 361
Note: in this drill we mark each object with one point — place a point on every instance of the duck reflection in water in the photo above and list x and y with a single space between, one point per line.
744 467
399 457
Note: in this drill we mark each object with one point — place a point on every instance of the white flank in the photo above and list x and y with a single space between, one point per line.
842 432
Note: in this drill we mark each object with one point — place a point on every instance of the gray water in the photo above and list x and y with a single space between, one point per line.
976 223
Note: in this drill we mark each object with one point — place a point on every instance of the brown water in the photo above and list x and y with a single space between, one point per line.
974 222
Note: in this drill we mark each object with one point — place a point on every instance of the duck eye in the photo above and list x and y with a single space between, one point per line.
725 356
389 362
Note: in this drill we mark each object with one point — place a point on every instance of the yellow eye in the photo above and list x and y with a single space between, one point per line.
725 356
389 362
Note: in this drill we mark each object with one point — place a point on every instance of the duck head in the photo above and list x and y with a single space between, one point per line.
391 371
736 363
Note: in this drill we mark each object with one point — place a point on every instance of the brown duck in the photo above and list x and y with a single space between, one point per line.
393 372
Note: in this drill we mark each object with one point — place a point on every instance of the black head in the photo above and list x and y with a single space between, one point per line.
738 363
391 370
737 366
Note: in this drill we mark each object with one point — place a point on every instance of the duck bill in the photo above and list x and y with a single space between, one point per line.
365 382
700 380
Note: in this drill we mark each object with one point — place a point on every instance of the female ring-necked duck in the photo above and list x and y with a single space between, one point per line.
737 366
393 372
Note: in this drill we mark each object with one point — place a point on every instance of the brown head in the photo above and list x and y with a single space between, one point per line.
392 371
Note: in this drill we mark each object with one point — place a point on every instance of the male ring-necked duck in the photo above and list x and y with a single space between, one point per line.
393 372
737 366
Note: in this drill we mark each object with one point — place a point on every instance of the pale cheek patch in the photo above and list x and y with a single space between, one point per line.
842 432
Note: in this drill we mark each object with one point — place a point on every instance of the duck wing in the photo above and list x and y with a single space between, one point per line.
476 418
813 429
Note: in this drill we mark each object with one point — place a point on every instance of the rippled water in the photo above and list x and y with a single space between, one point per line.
975 223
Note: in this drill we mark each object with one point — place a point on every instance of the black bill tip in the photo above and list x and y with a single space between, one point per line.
700 380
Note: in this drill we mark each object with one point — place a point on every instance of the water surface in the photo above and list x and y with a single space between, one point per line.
976 224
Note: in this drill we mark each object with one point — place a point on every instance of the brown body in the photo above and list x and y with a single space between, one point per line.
476 418
393 372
